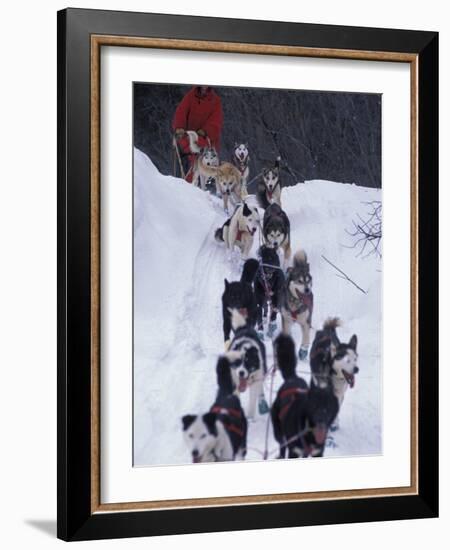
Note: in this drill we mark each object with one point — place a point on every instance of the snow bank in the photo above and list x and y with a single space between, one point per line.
178 282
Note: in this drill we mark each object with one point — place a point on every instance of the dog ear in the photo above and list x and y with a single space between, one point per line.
236 144
210 420
246 211
187 420
353 342
227 284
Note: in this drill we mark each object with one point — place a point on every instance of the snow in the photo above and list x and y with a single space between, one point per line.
179 271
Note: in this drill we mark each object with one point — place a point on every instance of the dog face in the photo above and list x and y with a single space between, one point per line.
241 152
271 178
251 219
200 435
345 361
299 281
247 361
274 233
209 157
227 184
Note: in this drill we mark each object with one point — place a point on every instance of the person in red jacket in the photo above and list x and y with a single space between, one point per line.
200 110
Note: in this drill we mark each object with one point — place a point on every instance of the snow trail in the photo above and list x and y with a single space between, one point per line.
179 272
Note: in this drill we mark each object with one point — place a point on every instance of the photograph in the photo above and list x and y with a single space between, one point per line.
257 273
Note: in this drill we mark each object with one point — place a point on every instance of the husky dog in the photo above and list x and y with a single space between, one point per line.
240 295
277 230
220 434
207 158
239 229
206 438
323 350
241 159
269 189
227 178
249 363
288 411
298 305
321 411
344 367
269 289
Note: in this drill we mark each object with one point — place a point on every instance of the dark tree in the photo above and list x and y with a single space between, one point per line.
319 135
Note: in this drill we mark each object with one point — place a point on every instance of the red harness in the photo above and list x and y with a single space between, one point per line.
234 413
306 304
291 393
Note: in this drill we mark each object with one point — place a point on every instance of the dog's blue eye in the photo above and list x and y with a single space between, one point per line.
203 436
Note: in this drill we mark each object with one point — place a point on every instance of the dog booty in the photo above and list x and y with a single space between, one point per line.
261 335
302 353
263 407
271 329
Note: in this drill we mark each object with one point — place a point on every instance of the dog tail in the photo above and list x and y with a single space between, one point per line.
218 235
261 197
300 258
249 271
286 356
224 380
331 324
237 319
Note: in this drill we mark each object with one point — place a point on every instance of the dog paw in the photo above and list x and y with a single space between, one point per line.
271 329
302 353
263 407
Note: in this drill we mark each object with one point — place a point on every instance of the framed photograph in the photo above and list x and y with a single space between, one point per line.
247 256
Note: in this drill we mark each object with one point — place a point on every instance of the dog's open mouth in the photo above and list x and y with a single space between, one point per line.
251 231
242 386
299 294
349 378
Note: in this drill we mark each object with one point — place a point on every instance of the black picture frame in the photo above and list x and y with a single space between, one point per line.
76 520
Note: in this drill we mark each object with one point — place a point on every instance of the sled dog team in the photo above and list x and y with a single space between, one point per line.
301 415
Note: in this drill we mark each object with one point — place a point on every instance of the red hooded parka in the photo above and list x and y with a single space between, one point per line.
204 112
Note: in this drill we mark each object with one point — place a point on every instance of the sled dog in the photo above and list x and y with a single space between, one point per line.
220 434
249 365
298 304
240 295
322 352
269 289
207 158
277 230
227 178
239 229
269 189
288 411
241 159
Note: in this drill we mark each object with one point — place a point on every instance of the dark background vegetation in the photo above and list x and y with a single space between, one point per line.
319 135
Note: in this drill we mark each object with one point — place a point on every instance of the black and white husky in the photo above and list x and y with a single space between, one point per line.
269 189
249 365
220 434
288 411
239 229
241 159
240 295
277 230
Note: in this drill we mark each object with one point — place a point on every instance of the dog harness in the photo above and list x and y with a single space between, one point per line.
291 395
306 303
233 414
